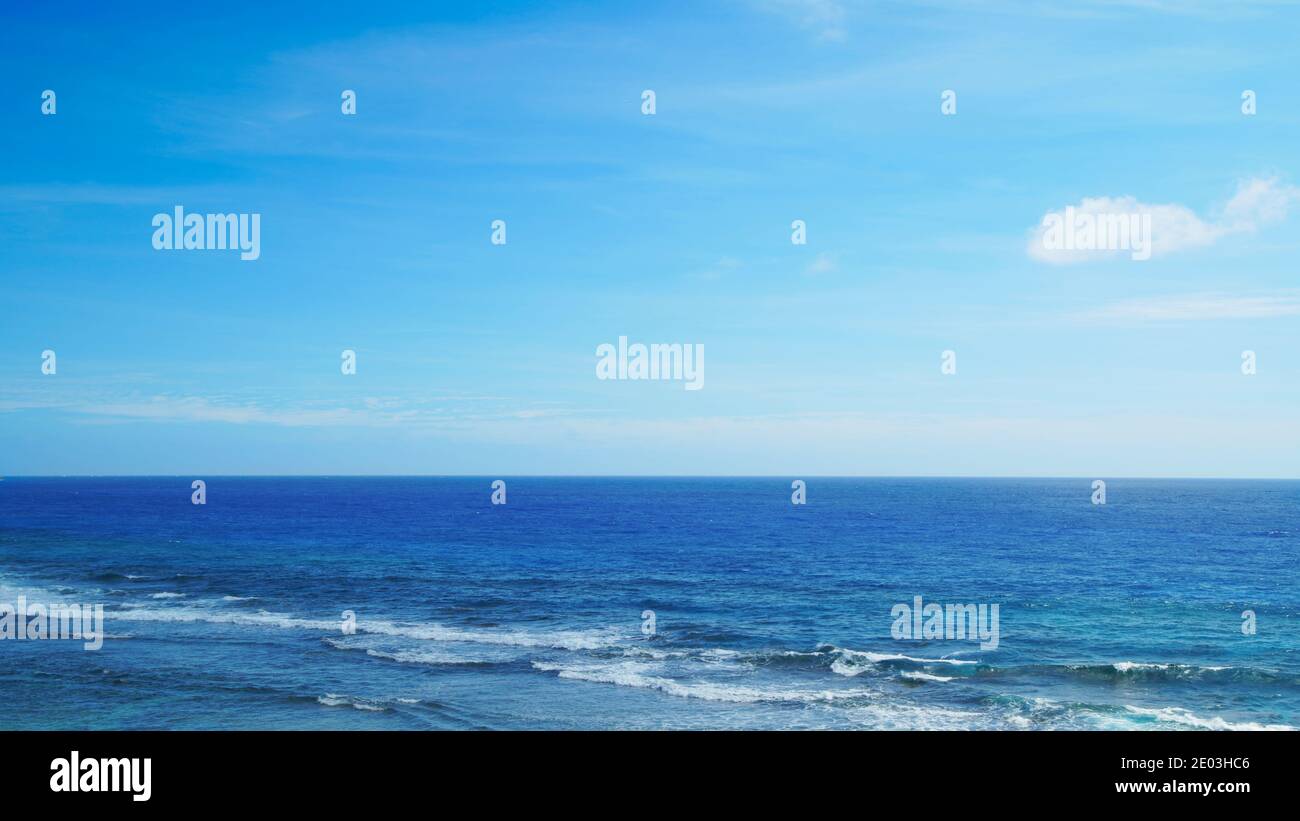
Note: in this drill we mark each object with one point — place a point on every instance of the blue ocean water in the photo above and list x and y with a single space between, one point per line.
765 614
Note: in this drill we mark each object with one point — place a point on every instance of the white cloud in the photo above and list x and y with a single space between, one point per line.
1258 202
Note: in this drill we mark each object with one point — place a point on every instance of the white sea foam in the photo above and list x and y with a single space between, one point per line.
336 700
1180 715
876 658
1130 666
848 668
856 662
167 596
894 715
1127 666
421 655
631 674
559 639
925 677
261 618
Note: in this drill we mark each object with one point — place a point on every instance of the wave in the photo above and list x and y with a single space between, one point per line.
1044 713
1180 715
826 657
916 676
877 658
853 663
557 640
560 639
336 700
1156 671
435 657
630 674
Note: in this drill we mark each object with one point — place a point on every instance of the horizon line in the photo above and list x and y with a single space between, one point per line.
1081 477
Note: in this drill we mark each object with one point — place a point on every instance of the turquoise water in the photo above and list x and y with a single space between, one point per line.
533 614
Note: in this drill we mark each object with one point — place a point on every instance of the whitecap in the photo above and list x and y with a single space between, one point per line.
630 674
925 677
337 700
1180 715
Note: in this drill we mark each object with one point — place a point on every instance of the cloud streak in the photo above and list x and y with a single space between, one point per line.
1195 307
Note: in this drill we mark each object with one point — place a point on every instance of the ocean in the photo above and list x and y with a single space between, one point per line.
648 603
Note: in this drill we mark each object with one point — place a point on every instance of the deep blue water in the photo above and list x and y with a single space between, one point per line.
529 615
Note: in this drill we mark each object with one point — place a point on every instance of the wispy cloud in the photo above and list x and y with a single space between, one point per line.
90 193
199 409
824 18
448 413
718 270
822 264
1195 307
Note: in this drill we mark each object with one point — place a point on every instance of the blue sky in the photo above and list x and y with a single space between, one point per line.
821 358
